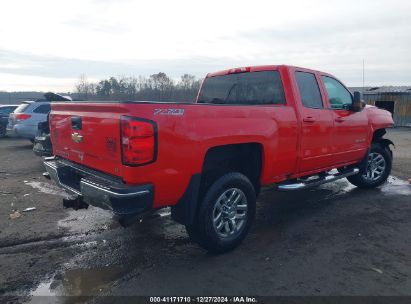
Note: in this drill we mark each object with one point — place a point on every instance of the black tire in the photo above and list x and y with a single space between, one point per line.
227 197
2 131
360 180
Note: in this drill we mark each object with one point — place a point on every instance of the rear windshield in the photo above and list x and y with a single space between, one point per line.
21 108
243 88
6 110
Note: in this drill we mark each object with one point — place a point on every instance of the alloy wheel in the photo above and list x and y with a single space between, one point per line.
230 213
375 167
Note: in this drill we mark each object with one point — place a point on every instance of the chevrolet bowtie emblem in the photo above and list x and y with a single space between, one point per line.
76 137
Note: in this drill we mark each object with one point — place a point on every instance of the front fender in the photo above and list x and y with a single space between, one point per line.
386 144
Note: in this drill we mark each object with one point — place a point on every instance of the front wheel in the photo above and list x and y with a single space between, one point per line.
225 214
377 169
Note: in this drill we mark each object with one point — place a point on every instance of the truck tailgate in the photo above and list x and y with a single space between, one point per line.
88 134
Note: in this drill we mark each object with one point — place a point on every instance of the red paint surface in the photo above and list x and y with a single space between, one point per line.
293 145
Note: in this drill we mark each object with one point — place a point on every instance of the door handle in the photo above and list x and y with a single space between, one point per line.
339 119
308 119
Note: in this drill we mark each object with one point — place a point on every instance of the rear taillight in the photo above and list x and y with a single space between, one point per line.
138 141
21 116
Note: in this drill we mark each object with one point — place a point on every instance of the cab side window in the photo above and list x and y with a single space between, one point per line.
309 90
340 97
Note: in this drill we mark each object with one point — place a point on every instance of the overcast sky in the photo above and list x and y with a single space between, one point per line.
46 45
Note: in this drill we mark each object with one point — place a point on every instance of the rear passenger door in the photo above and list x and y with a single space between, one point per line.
316 124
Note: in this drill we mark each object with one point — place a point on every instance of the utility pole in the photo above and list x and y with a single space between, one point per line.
363 77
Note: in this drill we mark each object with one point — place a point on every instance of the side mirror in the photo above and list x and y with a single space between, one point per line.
357 103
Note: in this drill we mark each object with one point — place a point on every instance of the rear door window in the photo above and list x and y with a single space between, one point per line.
309 90
42 109
21 108
251 88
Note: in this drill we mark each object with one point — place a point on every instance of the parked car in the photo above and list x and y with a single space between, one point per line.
250 127
5 111
23 122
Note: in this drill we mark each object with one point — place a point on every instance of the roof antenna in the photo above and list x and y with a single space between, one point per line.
363 77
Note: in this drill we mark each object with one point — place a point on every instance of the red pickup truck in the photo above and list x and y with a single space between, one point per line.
249 127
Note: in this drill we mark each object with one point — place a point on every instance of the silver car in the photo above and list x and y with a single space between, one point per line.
23 122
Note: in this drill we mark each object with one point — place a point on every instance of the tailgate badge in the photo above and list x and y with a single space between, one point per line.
76 137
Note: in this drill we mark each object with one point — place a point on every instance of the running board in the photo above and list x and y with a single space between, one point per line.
319 181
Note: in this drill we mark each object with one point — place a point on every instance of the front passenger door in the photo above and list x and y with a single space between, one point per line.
349 140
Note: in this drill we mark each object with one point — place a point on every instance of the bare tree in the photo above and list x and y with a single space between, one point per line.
84 88
187 82
157 87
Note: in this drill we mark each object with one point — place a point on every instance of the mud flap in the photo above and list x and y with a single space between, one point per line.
185 210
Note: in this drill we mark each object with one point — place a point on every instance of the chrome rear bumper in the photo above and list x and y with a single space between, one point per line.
99 189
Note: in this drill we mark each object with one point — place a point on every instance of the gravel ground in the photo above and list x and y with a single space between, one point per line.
402 153
333 240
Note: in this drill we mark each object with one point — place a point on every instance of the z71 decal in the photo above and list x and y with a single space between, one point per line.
173 112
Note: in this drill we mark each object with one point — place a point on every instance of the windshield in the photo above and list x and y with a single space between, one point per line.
243 88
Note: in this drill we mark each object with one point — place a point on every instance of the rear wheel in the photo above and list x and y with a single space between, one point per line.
377 169
225 214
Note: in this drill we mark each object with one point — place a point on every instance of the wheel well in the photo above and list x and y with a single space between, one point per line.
378 134
244 158
378 138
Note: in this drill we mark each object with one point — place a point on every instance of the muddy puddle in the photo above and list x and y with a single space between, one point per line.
119 251
75 285
101 244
